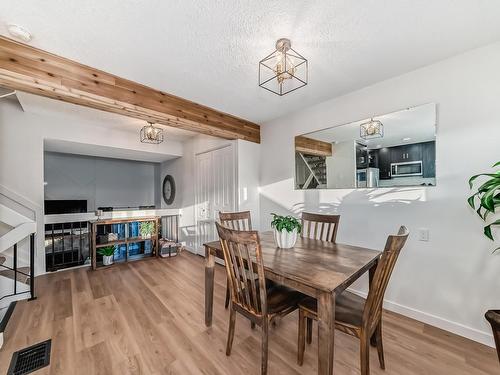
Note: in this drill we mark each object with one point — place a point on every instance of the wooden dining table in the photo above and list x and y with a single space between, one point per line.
319 269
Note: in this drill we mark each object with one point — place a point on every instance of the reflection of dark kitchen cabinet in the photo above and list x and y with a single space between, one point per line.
429 159
384 163
402 154
361 156
373 158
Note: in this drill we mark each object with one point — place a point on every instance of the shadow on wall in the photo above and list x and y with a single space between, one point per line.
368 216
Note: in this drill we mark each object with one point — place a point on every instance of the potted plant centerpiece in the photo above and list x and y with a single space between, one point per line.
107 254
147 228
286 229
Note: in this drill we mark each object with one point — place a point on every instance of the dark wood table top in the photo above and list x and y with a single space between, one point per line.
319 265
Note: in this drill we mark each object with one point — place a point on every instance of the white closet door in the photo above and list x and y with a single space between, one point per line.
215 191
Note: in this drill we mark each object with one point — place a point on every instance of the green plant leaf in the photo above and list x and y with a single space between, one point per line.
106 250
487 200
481 214
496 165
487 229
471 200
494 251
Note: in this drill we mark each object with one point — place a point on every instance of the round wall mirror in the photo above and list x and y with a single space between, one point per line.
168 189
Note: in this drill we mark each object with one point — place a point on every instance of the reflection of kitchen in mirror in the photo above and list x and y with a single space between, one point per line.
396 149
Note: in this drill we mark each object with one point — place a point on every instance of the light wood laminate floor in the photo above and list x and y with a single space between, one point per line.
147 317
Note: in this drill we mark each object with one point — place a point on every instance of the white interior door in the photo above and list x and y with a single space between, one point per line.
215 191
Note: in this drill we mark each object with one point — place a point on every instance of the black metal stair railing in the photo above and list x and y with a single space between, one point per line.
19 274
67 244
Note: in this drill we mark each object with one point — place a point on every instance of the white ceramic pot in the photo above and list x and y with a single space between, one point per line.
284 239
107 260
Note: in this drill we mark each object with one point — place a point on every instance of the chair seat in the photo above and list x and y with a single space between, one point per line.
348 308
280 298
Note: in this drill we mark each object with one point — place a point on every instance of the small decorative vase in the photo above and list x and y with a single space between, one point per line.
285 239
107 260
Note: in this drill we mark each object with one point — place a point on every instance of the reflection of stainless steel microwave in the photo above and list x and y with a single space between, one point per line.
408 168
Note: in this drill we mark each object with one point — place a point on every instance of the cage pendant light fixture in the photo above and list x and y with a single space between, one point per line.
151 134
371 129
284 70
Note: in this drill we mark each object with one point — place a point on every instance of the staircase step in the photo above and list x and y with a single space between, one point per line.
20 277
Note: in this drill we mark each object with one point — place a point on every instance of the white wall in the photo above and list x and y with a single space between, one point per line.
248 155
341 166
22 137
100 181
453 279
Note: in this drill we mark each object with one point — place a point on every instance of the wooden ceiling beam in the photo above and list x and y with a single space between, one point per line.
32 70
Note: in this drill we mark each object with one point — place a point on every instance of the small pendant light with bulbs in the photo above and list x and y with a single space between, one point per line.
151 134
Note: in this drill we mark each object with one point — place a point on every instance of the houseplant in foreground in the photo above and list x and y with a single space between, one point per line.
286 229
147 228
486 200
107 254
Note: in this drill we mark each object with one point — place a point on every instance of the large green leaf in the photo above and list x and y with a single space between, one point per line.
473 178
487 200
496 164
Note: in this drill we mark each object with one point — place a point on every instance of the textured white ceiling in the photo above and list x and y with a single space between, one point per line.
208 51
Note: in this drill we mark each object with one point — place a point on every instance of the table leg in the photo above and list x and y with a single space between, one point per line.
209 285
326 333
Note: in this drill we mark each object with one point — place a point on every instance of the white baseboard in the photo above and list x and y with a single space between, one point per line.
485 338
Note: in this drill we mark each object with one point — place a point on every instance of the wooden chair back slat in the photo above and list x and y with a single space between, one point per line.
320 227
243 259
236 220
373 306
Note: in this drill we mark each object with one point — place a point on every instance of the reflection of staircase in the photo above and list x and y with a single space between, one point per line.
318 167
312 171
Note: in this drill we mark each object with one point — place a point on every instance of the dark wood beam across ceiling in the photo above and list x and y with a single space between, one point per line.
32 70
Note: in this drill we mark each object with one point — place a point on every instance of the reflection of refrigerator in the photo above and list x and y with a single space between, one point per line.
372 177
367 177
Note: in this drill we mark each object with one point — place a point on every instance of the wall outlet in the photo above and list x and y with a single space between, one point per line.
423 234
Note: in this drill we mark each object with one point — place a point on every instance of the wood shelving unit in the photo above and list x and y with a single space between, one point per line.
104 227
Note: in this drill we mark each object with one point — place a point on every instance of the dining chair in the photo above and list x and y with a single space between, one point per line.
249 294
319 226
353 314
239 221
493 316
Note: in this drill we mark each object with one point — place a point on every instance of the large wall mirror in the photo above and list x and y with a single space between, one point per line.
396 149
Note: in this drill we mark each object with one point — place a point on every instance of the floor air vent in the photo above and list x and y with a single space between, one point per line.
30 359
